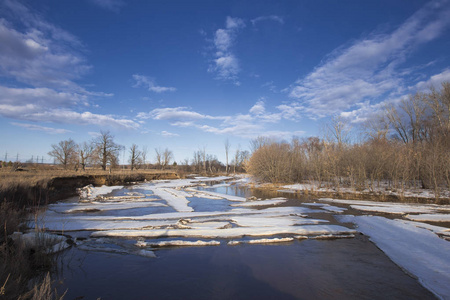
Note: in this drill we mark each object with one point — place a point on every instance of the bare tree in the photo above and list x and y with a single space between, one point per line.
227 150
135 156
106 149
65 152
159 157
167 157
144 156
86 151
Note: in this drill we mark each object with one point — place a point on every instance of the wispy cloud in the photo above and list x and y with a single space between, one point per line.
112 5
41 128
368 68
249 125
225 64
274 18
43 63
150 84
168 134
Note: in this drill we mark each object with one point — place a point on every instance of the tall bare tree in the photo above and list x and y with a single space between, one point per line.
86 151
107 151
167 157
227 150
65 152
144 156
135 156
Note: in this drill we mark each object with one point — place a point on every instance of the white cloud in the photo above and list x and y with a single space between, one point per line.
434 81
367 69
225 64
274 18
48 60
248 125
150 84
41 128
169 134
113 5
174 113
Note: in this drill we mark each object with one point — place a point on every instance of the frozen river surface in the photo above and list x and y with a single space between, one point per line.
213 239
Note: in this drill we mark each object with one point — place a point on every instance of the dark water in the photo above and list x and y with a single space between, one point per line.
309 269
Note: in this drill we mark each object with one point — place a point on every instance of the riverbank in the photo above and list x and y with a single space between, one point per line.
35 187
382 193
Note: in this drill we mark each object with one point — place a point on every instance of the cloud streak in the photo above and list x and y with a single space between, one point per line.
249 125
41 128
367 69
43 63
150 84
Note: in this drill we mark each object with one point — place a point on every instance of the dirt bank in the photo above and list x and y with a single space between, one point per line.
45 191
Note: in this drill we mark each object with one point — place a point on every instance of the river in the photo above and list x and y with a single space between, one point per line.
347 266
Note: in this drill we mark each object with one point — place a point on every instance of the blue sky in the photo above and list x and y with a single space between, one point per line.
189 74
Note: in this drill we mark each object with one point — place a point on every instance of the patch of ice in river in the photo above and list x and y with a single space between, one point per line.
99 206
176 199
261 202
228 232
430 217
178 243
390 207
262 241
416 250
91 192
219 195
327 207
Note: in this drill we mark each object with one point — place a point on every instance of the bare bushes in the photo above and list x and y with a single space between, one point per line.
275 162
408 146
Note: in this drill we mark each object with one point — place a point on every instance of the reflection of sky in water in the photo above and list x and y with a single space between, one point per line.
202 204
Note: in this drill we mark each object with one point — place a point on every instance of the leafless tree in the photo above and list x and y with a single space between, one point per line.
159 157
86 151
144 153
135 157
227 150
107 150
167 157
65 152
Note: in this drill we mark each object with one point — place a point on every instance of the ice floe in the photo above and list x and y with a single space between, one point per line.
262 241
390 207
261 202
91 192
327 207
416 250
99 206
430 217
228 232
178 243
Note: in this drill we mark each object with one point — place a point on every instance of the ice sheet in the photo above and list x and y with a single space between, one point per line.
416 250
220 196
430 217
179 243
98 206
91 192
262 241
227 233
260 202
175 199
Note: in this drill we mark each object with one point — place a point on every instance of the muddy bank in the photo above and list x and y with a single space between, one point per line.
45 191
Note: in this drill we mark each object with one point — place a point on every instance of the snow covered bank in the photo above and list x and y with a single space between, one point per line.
416 250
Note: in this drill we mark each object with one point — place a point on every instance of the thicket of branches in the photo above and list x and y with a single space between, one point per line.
405 146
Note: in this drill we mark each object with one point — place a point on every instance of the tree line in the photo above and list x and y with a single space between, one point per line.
104 152
407 145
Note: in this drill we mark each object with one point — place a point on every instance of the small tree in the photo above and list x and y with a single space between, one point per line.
65 152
